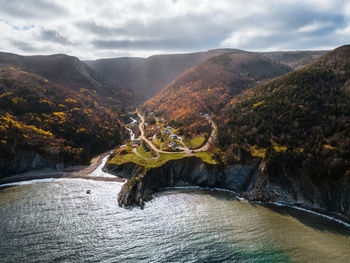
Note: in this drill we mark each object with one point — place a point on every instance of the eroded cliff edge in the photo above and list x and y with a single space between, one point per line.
254 179
27 160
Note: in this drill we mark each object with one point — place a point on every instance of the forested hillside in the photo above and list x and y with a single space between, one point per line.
210 86
64 124
146 78
114 69
303 116
294 59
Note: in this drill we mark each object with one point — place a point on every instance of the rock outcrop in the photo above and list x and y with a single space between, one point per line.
24 161
288 181
255 180
187 171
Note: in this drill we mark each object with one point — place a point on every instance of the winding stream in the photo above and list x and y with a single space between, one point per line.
132 134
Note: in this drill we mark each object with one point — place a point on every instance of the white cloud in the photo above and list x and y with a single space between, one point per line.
313 27
241 38
91 28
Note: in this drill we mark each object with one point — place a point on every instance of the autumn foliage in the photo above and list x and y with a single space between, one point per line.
304 115
210 86
37 114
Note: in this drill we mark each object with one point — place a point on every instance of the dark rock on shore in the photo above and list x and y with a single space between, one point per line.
184 172
25 161
283 181
288 181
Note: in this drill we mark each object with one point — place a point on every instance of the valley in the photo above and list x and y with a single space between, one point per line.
143 151
236 120
175 131
259 168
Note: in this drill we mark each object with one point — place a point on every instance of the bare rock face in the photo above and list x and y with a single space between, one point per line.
287 181
187 171
281 181
24 161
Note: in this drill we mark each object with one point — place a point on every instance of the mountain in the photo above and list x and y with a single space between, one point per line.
64 70
299 124
307 108
43 122
210 86
147 77
114 69
294 59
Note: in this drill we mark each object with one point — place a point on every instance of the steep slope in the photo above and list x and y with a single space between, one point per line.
146 77
114 69
64 70
294 59
149 77
43 123
300 125
210 86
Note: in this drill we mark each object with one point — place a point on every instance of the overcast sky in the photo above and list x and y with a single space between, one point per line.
92 29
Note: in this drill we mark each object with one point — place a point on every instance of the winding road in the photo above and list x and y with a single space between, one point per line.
184 149
87 172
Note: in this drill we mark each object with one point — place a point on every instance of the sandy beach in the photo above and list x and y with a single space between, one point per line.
84 172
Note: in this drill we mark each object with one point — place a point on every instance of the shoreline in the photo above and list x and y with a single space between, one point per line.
82 172
319 213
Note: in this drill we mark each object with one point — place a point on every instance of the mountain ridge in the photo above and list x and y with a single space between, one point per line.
67 122
61 69
209 86
150 75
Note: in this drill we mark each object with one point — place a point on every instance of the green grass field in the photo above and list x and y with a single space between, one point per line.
142 152
206 157
195 142
131 157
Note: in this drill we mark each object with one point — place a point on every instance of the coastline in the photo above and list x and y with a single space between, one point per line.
320 213
82 172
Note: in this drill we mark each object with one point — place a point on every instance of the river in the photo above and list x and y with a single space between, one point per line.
132 134
55 220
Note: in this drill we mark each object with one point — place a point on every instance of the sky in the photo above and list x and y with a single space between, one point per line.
91 29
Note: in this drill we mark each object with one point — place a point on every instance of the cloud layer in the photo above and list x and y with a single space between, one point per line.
92 29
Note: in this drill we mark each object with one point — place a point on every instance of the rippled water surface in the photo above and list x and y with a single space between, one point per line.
56 221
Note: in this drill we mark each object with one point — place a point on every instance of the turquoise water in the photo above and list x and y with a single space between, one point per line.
56 221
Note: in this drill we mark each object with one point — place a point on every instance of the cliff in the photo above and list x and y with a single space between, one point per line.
287 179
24 161
143 182
255 180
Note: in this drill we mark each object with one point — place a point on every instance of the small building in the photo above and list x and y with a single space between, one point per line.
173 144
173 136
145 147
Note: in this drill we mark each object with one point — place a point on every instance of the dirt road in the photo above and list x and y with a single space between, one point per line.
184 149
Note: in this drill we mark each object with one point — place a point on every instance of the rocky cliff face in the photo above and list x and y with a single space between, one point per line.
187 171
24 161
289 182
281 181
